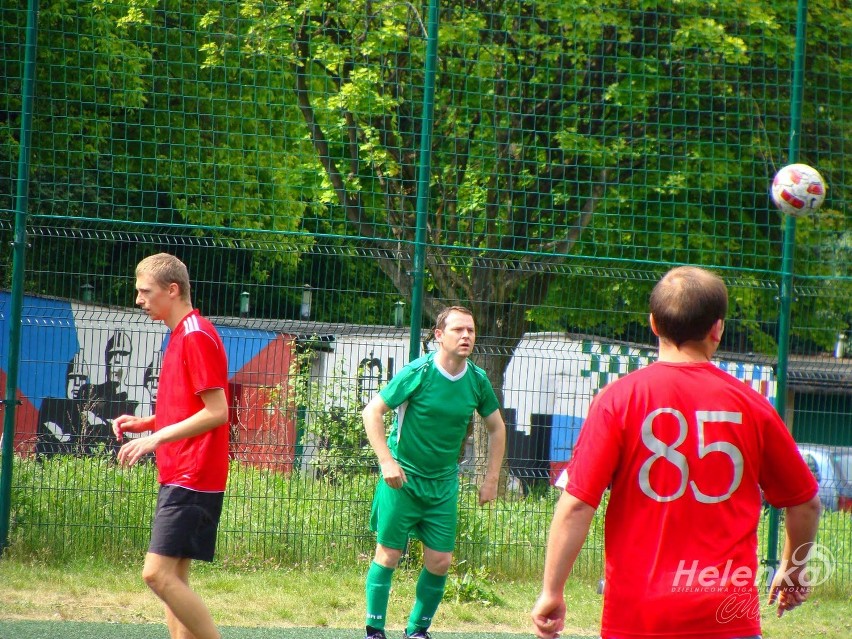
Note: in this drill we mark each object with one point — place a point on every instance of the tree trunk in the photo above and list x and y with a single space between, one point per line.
493 355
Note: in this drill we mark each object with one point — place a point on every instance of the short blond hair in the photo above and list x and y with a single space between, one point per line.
166 269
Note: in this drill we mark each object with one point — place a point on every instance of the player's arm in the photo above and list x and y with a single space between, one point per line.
568 531
131 424
213 414
496 449
374 425
789 589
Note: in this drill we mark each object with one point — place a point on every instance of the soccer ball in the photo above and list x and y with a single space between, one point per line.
798 189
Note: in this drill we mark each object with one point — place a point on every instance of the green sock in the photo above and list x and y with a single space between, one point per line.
378 592
429 592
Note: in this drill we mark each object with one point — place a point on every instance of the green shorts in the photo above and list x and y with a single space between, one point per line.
424 509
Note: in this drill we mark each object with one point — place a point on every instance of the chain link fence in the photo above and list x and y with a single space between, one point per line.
575 152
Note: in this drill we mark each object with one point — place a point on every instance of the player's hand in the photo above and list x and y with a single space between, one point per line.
393 474
548 616
128 424
136 449
488 491
787 592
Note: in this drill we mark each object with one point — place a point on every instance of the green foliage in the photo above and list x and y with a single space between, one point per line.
835 537
596 137
332 408
471 585
76 507
617 133
81 503
486 535
70 508
129 127
275 519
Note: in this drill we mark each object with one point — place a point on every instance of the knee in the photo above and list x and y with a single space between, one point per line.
153 578
438 563
387 557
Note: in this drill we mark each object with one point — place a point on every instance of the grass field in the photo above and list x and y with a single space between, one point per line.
80 630
88 600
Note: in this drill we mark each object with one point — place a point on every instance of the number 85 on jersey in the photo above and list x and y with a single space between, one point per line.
678 454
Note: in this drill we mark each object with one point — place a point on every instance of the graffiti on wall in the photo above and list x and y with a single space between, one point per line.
81 366
80 422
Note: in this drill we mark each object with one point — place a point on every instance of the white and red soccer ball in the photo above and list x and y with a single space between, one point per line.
798 189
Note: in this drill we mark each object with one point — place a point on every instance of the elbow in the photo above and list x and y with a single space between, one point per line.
805 515
580 508
219 413
571 507
814 505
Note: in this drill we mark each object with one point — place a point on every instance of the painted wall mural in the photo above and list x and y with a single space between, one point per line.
82 366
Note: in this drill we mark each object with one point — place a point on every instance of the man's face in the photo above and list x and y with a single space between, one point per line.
152 298
117 364
73 386
458 335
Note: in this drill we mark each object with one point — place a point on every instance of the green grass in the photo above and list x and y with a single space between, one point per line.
64 630
68 509
293 551
320 598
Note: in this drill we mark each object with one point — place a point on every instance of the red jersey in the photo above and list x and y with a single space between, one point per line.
194 361
685 450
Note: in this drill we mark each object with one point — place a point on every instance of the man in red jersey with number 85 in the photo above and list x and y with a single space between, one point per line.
688 453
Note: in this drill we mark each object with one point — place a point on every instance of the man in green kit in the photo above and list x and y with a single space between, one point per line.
417 496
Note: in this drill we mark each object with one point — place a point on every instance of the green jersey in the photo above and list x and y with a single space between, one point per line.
433 413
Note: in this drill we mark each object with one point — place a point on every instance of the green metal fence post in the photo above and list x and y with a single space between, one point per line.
423 179
787 261
17 297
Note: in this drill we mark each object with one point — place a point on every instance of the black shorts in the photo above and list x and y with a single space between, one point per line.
185 523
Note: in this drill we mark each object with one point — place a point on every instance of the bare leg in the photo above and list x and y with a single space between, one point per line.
387 557
436 562
187 616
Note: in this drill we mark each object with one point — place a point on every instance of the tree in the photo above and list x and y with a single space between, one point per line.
134 134
620 133
570 139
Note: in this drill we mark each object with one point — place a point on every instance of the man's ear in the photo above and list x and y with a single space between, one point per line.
716 331
653 324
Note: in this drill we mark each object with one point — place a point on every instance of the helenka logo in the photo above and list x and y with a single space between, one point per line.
810 565
815 564
738 605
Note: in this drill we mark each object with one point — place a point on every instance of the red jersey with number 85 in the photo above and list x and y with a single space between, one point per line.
686 449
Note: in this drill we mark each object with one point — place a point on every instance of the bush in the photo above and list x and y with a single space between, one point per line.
332 419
